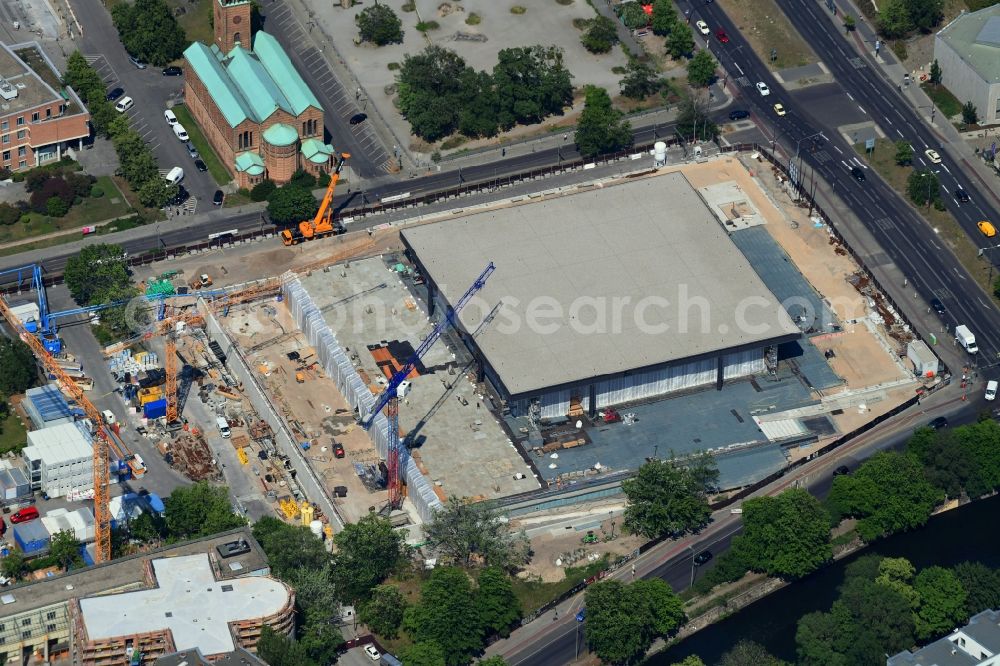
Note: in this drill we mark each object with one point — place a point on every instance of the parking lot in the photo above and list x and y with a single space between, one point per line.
152 93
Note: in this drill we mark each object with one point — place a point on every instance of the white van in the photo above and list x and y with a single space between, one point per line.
175 175
124 104
180 132
169 116
109 416
223 426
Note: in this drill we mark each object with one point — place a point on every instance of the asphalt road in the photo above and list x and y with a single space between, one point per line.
150 90
907 240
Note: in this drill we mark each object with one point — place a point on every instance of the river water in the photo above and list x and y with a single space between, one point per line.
952 537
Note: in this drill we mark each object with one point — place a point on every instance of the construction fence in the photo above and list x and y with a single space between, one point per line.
284 440
338 366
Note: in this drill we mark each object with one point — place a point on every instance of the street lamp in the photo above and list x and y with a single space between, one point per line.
798 144
982 251
930 183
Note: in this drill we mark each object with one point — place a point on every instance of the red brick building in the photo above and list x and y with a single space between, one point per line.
252 104
40 119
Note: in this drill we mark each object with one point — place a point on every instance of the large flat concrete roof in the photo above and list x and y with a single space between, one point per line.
189 601
649 256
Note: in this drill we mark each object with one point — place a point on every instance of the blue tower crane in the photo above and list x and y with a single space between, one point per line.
388 399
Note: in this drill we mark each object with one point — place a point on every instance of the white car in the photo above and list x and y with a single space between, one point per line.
702 27
180 132
763 89
169 116
124 104
933 156
991 389
372 653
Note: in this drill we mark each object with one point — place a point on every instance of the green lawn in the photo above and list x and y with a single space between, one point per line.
12 434
89 211
946 103
195 20
208 155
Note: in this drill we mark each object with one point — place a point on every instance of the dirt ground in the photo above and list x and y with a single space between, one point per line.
766 27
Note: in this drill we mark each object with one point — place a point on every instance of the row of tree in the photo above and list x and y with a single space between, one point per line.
900 18
623 620
149 31
885 606
440 94
137 164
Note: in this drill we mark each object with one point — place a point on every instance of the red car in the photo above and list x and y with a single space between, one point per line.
338 450
721 35
24 515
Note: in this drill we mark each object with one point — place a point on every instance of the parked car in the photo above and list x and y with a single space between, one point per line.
124 104
218 198
182 196
172 71
114 94
358 118
138 63
169 116
200 166
338 450
991 389
24 515
372 653
738 114
180 132
192 151
763 89
702 557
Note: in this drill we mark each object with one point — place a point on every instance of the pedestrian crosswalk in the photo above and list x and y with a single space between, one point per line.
743 81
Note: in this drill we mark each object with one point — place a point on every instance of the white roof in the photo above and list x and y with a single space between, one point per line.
645 256
188 601
57 444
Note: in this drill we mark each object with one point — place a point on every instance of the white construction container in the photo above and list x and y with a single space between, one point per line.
925 363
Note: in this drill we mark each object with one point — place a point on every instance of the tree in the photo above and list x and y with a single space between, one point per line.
816 637
664 498
969 114
14 566
786 536
383 612
289 547
495 660
430 91
531 83
367 552
981 585
690 660
467 532
64 548
694 120
320 637
478 117
18 371
640 80
303 179
422 654
680 43
897 573
748 653
701 69
291 205
262 190
95 269
602 128
849 23
600 36
925 14
199 510
496 604
446 616
894 19
146 528
664 17
923 187
149 31
633 16
935 73
904 153
280 650
662 608
942 602
379 25
623 620
157 193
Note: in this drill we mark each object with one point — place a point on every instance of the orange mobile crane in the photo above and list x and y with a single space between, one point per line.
322 224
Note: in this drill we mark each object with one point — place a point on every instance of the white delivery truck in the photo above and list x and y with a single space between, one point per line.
966 338
223 426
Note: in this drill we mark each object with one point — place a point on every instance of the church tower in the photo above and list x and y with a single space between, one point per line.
232 24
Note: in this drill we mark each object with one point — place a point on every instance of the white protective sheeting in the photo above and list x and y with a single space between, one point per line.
653 383
338 366
743 364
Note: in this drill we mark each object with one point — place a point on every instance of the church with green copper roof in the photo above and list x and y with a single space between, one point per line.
251 103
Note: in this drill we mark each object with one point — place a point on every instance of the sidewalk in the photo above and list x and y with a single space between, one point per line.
863 38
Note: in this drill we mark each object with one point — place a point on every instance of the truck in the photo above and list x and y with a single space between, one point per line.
965 338
322 224
201 281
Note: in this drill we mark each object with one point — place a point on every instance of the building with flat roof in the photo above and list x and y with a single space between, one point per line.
975 644
40 118
968 52
43 617
252 104
238 657
60 460
604 297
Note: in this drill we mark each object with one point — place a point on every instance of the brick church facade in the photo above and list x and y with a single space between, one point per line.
251 103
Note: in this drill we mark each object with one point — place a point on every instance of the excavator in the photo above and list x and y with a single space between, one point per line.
322 225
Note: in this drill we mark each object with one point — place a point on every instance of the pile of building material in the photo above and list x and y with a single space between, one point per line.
125 362
189 454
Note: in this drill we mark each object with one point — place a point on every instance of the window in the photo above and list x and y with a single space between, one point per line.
6 138
34 117
2 640
22 164
4 125
20 134
26 634
22 151
236 38
26 622
6 158
50 627
20 120
51 615
48 112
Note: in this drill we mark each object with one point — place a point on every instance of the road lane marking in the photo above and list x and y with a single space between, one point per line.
900 134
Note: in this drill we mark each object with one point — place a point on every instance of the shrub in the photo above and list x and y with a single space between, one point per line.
424 26
5 173
35 179
323 179
96 192
517 9
474 19
303 179
80 183
56 207
9 214
262 190
18 177
601 35
409 7
53 187
393 66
